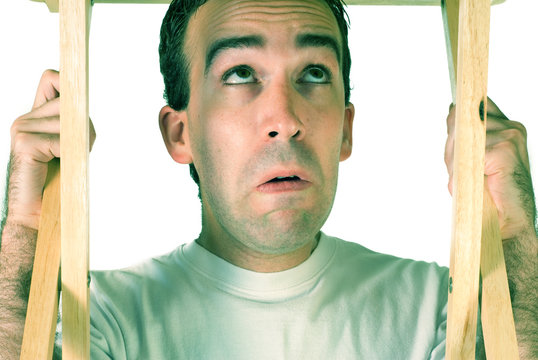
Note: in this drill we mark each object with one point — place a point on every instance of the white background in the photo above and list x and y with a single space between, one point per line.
392 195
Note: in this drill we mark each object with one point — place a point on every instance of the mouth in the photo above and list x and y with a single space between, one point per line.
284 183
285 178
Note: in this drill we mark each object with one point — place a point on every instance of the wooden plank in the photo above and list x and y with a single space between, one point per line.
497 317
450 11
469 149
41 316
74 147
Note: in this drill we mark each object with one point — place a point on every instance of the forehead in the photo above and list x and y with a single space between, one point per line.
274 20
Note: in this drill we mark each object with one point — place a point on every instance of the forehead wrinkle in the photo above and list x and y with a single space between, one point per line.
273 11
270 6
219 19
288 12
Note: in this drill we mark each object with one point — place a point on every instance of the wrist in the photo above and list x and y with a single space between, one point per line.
18 249
29 220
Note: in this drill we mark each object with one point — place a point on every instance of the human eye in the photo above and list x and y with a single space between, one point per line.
238 75
316 74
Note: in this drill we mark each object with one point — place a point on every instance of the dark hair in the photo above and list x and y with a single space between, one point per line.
175 65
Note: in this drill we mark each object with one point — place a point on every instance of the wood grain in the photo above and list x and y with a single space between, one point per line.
74 147
469 150
41 316
497 317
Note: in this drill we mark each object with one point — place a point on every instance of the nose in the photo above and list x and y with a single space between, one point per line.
279 113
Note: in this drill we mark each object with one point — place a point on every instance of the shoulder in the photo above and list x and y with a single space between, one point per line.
149 275
128 304
351 251
389 270
392 298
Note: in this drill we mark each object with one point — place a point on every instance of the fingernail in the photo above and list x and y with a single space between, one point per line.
481 110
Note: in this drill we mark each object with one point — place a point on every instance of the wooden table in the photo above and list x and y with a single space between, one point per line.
476 242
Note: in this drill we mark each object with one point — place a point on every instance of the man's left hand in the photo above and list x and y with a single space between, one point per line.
507 170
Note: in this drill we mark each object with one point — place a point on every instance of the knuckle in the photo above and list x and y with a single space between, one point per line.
20 141
512 133
516 134
48 74
16 126
522 129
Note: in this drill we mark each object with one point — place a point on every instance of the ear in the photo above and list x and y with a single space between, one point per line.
174 129
347 138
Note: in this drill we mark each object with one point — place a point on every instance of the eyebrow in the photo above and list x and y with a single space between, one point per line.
318 40
231 43
302 41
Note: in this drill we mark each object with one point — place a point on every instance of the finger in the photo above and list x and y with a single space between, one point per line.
48 88
511 141
500 161
495 123
449 160
496 118
38 147
48 109
48 125
450 119
93 134
493 110
449 153
44 126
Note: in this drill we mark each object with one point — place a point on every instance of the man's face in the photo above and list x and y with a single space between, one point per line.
266 102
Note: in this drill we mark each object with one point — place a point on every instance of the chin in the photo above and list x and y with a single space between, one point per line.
284 231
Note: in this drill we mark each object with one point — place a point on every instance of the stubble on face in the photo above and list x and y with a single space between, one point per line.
228 151
288 222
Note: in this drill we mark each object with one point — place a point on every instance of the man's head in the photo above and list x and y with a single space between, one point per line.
259 91
175 64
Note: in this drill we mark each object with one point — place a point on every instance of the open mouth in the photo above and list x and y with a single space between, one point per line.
284 178
284 184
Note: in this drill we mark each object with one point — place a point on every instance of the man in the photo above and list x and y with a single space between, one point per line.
258 95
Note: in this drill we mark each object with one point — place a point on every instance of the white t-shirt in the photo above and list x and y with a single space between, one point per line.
343 302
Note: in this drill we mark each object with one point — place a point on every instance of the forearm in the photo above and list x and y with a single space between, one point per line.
521 256
16 261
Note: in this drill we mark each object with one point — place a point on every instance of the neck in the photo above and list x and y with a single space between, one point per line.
237 253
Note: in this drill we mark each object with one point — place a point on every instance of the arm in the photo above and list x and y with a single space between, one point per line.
16 257
34 142
507 171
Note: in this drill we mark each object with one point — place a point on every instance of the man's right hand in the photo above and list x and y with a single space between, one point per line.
35 140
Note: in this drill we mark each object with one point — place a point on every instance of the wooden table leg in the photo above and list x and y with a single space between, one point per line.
469 149
74 147
467 30
41 316
497 317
